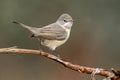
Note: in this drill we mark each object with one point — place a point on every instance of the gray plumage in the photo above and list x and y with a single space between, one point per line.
52 33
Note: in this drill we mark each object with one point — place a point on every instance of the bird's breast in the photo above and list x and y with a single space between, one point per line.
52 44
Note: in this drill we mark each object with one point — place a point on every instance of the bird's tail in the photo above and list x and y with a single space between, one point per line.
31 29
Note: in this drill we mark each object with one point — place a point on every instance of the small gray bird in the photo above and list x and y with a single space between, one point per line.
52 35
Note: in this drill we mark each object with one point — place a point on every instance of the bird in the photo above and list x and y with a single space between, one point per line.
52 35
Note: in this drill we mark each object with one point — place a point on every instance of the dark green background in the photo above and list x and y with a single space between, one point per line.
94 40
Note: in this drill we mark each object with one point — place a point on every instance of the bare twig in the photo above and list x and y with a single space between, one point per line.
81 69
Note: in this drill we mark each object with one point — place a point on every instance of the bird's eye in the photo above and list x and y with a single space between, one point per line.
65 20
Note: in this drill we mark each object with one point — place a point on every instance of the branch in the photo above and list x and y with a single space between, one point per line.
78 68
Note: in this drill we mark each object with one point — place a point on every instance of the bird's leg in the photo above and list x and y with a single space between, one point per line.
57 54
97 70
39 44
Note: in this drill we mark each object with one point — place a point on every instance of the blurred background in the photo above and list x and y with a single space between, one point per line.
94 40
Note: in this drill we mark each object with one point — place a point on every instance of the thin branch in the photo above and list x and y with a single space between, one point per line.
78 68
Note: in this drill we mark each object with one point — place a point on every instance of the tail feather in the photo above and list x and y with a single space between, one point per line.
31 29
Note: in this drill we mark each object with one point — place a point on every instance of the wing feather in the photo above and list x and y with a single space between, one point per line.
52 32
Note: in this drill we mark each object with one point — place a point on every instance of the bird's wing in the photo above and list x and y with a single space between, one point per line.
52 32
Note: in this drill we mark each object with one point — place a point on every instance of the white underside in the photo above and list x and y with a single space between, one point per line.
53 44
